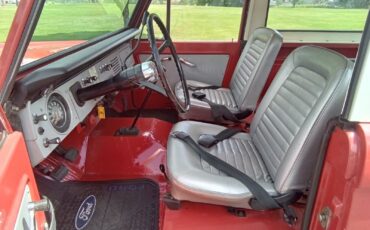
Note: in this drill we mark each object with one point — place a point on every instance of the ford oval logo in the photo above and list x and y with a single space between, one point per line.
85 212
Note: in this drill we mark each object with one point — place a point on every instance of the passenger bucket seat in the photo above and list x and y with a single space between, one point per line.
249 77
282 147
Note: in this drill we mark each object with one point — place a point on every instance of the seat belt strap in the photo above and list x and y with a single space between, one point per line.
221 112
195 88
262 200
208 140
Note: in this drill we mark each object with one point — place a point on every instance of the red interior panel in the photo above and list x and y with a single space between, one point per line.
345 181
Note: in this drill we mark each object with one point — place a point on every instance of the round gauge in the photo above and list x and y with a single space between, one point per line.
58 112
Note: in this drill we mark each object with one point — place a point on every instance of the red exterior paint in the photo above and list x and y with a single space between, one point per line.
15 174
15 169
345 181
38 50
13 39
4 121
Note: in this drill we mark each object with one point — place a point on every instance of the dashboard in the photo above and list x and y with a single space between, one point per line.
48 108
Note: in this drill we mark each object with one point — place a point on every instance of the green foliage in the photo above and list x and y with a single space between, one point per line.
85 21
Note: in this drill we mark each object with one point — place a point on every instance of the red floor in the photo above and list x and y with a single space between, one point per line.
104 156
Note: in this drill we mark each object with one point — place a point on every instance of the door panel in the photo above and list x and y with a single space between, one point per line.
215 61
344 188
15 175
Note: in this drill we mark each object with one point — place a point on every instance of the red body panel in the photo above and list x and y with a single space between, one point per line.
15 174
15 168
104 156
345 181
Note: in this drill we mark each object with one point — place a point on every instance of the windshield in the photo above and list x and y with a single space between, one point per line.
7 12
65 23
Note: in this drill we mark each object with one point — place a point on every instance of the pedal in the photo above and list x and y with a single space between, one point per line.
171 202
71 155
59 173
127 132
68 154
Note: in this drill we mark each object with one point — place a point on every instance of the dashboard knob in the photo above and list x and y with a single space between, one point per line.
38 118
89 80
47 142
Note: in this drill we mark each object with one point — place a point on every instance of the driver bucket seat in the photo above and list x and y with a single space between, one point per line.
249 77
282 147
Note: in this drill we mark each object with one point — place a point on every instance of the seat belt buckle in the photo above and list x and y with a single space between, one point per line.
180 135
207 140
290 217
199 95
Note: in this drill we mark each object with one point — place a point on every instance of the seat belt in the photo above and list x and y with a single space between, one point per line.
208 140
195 88
262 200
221 112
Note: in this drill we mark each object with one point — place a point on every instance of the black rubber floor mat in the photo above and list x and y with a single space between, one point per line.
132 204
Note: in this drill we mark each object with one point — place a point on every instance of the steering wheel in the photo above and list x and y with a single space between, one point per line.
167 43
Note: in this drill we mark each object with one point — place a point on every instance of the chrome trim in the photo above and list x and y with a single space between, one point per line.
187 63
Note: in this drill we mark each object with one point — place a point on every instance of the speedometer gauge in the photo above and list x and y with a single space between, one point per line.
58 112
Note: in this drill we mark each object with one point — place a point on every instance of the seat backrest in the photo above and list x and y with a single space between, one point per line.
254 66
308 91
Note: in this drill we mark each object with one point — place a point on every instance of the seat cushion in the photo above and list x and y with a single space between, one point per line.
200 110
193 179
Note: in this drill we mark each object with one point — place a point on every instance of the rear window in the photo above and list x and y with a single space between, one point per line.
318 15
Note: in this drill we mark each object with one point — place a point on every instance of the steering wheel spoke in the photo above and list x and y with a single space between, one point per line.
156 51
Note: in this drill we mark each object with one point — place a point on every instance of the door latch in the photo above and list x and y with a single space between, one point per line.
44 205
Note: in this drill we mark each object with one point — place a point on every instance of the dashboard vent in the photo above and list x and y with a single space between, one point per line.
116 66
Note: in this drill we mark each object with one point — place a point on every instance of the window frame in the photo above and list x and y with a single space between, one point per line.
297 36
302 30
242 24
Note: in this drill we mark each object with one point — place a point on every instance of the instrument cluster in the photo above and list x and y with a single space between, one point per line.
47 121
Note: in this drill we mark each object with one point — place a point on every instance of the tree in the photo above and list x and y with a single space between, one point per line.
294 2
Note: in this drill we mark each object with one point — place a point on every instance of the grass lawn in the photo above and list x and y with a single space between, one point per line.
85 21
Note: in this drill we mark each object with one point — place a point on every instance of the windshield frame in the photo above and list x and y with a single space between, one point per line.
50 58
32 20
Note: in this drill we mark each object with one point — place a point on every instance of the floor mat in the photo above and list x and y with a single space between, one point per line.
131 204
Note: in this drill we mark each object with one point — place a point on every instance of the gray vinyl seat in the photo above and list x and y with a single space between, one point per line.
283 144
249 77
